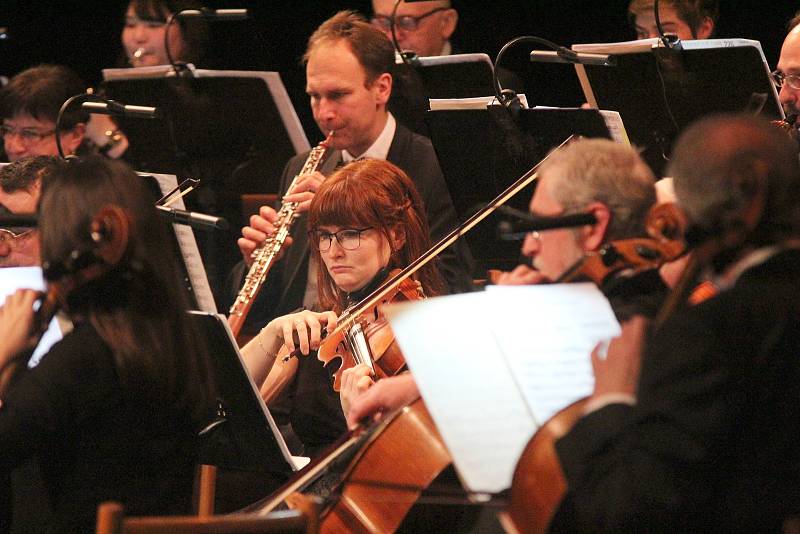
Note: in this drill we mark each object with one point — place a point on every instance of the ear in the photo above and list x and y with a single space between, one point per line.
382 88
449 21
705 29
72 139
593 236
398 235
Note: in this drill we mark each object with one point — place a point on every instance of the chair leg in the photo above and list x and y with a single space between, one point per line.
206 492
109 518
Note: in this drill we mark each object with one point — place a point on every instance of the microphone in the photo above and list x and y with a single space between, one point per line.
213 14
565 55
514 231
111 107
201 221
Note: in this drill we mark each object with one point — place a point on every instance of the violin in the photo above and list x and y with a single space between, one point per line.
363 336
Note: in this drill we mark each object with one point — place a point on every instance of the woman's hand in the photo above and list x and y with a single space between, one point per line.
16 321
303 330
386 395
355 382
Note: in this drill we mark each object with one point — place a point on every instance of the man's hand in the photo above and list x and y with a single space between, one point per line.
521 275
261 227
304 190
618 371
386 395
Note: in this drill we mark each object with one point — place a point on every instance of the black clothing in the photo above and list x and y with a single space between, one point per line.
94 443
711 444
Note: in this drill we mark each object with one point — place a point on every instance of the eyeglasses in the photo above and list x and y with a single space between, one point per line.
27 135
408 23
779 78
7 235
348 239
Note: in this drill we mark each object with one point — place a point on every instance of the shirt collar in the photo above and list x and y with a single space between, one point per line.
380 148
752 259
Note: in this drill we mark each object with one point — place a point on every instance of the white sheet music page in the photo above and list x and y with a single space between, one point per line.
466 385
489 376
547 335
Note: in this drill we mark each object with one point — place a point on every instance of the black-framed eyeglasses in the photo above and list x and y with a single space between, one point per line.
28 135
8 234
779 78
408 23
348 239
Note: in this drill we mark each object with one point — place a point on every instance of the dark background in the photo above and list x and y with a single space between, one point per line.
85 36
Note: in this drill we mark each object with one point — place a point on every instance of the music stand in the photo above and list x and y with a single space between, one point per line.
247 438
483 151
233 130
453 76
659 91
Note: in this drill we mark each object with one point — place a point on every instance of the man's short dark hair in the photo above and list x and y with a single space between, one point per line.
40 91
692 12
21 175
370 46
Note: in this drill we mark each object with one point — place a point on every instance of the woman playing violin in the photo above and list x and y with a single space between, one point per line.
364 221
114 408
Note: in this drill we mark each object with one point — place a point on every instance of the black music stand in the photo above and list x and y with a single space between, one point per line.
233 130
483 151
246 440
660 91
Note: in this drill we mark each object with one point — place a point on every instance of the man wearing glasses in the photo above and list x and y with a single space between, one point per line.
787 76
421 27
20 184
29 107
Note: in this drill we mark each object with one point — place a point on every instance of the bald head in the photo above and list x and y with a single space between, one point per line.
422 27
724 164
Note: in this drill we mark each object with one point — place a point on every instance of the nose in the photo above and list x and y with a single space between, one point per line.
14 146
336 250
787 95
326 111
531 245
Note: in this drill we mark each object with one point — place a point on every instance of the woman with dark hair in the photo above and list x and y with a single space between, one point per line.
143 34
113 410
365 220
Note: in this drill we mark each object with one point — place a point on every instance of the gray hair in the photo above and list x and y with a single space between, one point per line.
599 170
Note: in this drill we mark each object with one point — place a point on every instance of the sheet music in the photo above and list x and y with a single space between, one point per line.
562 323
188 249
492 366
474 102
615 126
466 385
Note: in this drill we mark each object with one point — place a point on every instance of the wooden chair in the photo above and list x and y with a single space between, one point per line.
111 520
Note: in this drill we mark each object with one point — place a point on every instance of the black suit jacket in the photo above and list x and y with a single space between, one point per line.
713 442
283 292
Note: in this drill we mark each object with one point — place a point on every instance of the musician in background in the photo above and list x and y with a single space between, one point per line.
688 19
705 436
20 187
787 75
421 27
113 409
365 221
349 81
143 35
29 107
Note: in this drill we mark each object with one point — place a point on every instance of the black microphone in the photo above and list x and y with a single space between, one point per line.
201 221
524 223
213 14
111 107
